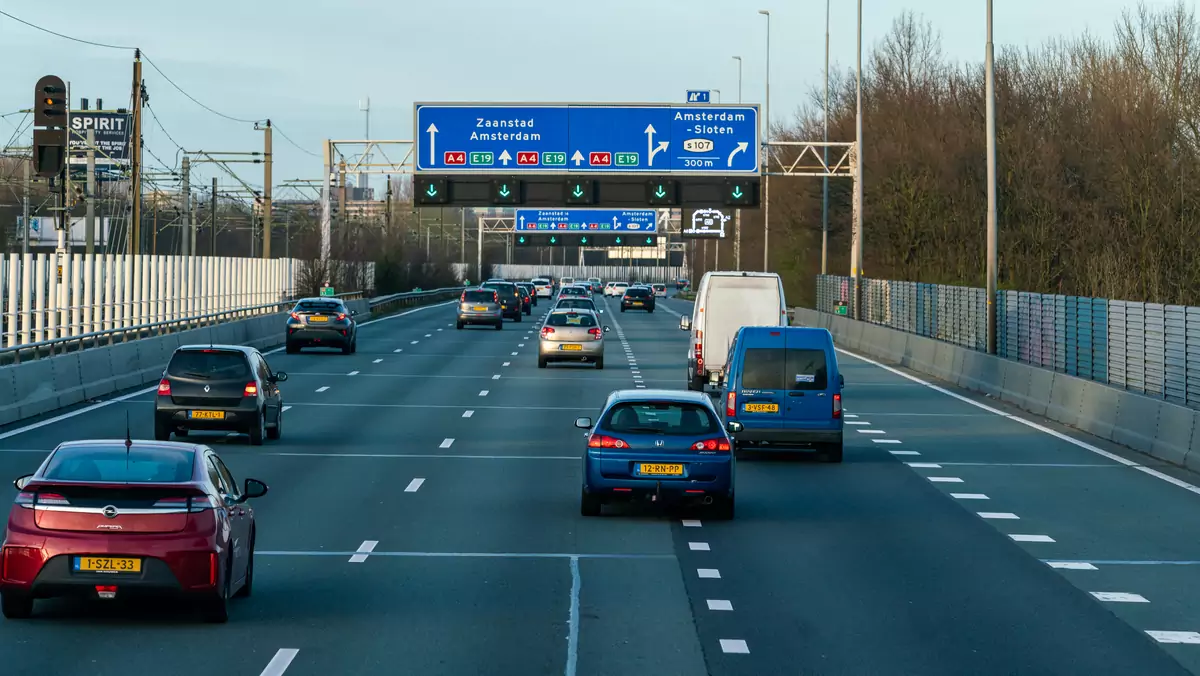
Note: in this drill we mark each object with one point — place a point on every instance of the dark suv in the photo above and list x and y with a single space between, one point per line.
227 388
321 322
511 305
638 298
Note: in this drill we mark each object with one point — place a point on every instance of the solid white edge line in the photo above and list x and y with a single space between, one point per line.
280 662
414 485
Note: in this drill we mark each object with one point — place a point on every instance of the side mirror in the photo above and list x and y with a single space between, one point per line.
733 427
254 489
685 324
22 482
354 313
606 329
841 381
280 377
583 423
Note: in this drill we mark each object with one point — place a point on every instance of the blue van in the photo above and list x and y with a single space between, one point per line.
782 384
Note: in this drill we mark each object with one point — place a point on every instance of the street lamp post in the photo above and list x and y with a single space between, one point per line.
992 236
825 180
767 148
737 214
856 255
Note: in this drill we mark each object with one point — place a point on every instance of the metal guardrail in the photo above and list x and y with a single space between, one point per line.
395 301
1149 348
49 348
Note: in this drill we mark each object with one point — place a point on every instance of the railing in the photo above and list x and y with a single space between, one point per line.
386 304
1149 348
49 348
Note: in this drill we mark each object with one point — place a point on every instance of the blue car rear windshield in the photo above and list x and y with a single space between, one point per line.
661 417
109 464
776 368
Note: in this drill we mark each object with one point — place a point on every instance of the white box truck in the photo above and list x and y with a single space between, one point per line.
725 302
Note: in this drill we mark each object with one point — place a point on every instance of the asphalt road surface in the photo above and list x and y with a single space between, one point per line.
424 519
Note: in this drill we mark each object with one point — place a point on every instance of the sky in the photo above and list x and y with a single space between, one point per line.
307 64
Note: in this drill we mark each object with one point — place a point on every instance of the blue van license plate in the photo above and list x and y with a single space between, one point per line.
761 408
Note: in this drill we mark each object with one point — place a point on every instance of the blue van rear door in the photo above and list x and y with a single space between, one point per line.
762 393
809 396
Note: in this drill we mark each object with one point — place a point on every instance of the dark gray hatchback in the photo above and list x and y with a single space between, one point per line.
228 388
321 322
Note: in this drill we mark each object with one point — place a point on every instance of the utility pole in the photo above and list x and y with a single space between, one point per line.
825 179
266 203
992 235
462 236
326 217
388 211
25 207
856 256
342 201
135 157
212 231
767 151
186 191
737 214
90 223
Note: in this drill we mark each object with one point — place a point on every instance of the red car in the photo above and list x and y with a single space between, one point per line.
109 519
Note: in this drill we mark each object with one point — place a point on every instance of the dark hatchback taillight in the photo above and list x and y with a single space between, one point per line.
164 388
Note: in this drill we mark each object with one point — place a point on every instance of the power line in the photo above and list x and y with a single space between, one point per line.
68 37
192 98
294 144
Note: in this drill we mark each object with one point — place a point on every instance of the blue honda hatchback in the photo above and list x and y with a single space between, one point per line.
782 384
658 446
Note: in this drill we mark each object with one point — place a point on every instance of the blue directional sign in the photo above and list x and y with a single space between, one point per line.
585 220
698 95
586 138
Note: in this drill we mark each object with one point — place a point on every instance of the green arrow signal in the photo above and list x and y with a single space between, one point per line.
660 193
431 190
649 240
583 240
737 192
554 240
521 239
578 191
618 241
504 191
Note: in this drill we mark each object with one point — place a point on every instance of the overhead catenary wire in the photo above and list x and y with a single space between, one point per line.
289 140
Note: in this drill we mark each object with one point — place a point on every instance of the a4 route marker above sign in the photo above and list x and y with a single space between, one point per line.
586 138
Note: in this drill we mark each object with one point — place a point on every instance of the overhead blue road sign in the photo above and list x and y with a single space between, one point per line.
586 138
698 95
585 220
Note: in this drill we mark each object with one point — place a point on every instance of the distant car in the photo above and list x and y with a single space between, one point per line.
596 284
566 281
660 290
106 519
531 290
526 300
321 322
479 306
511 305
617 289
577 303
545 288
638 298
658 446
572 335
577 291
681 284
226 388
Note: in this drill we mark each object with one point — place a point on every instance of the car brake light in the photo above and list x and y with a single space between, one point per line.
837 405
52 499
25 499
711 445
341 316
546 330
106 591
212 569
294 316
163 503
463 297
731 404
202 503
164 388
251 390
603 441
596 333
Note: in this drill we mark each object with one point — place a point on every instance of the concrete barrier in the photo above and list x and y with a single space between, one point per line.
1156 427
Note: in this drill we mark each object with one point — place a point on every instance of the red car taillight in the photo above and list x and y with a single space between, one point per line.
463 297
164 388
731 404
251 390
25 499
212 569
51 499
603 441
341 316
546 330
711 445
596 333
294 316
837 405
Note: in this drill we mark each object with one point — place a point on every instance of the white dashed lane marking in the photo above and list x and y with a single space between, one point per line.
735 646
886 441
1030 538
483 393
998 515
376 361
322 389
507 363
1191 637
708 573
447 443
414 485
945 479
719 604
397 350
903 452
969 496
1120 597
352 373
925 465
496 377
691 523
428 335
468 414
280 662
286 408
1071 565
364 550
870 431
414 342
698 546
512 355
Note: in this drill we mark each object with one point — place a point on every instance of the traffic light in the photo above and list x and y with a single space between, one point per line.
741 193
580 191
662 193
554 239
432 191
522 239
49 152
50 102
506 191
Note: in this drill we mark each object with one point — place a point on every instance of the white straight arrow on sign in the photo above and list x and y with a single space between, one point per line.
505 157
741 148
650 149
432 151
577 158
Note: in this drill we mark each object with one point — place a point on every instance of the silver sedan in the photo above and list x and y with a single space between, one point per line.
574 335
